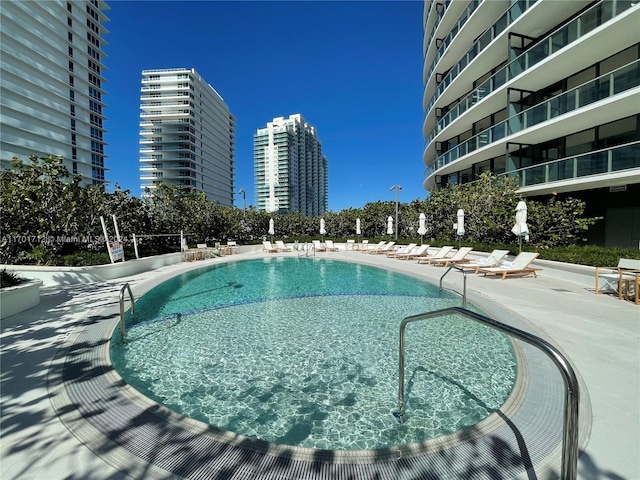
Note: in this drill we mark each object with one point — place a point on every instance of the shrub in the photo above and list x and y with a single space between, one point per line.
591 255
83 259
9 279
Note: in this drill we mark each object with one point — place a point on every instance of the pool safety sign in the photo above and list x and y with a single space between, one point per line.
117 251
115 248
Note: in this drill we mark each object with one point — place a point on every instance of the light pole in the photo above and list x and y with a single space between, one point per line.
244 201
397 188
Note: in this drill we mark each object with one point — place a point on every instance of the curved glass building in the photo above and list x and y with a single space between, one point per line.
545 91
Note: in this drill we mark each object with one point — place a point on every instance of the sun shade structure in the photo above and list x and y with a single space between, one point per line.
460 227
390 225
520 228
422 229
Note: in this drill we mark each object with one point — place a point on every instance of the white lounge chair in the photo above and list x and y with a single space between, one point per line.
203 251
363 245
330 246
231 247
188 254
268 248
318 246
384 249
282 247
442 253
521 265
494 259
401 250
369 248
459 257
420 251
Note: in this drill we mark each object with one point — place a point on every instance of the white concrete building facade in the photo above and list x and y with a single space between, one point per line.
52 83
187 134
290 171
542 90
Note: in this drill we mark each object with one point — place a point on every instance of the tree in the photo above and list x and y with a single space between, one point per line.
43 209
46 212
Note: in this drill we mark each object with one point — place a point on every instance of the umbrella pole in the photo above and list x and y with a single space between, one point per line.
520 243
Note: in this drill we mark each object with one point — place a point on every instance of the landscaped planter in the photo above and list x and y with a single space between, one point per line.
19 298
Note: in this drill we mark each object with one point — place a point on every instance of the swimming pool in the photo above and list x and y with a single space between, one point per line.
304 352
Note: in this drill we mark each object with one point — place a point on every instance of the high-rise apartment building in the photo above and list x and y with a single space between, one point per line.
187 134
545 91
290 171
51 83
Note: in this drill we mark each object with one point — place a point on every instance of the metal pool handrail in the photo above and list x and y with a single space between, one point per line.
464 283
305 248
133 309
569 467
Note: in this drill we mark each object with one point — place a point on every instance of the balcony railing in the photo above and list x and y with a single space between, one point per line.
466 14
440 12
512 13
613 83
606 161
569 33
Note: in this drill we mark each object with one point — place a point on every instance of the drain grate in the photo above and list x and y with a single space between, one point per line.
152 436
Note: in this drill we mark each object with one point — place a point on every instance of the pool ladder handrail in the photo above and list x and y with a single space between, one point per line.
133 309
464 282
306 249
569 468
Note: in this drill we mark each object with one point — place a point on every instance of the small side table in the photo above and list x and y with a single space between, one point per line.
626 282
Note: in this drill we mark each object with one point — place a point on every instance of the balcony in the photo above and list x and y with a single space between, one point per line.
588 168
601 88
571 32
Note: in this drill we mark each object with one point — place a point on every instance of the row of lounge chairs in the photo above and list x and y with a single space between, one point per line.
327 246
494 264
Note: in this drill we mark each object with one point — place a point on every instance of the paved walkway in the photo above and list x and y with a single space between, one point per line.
600 334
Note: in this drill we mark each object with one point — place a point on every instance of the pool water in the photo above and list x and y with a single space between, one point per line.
305 352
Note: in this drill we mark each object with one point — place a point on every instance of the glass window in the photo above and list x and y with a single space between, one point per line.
618 132
581 77
580 142
619 59
480 168
481 125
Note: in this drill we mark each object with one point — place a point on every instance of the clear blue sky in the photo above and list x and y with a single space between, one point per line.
352 69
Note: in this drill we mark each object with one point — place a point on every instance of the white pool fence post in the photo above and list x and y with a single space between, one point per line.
135 245
106 238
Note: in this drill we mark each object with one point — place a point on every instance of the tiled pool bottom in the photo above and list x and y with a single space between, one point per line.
321 372
143 439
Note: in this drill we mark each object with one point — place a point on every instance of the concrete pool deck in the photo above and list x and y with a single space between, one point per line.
600 335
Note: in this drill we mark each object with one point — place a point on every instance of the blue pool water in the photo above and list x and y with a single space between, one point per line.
305 352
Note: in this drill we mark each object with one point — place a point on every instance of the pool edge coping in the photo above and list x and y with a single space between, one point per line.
121 457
